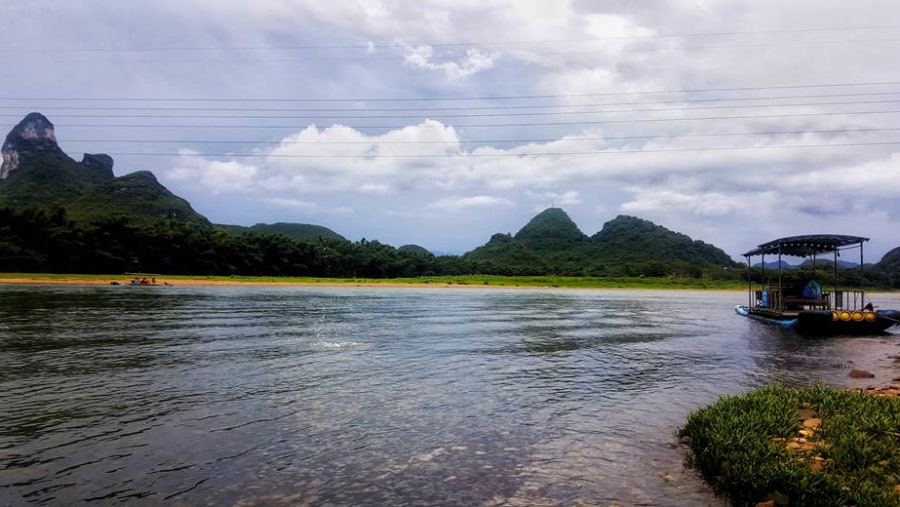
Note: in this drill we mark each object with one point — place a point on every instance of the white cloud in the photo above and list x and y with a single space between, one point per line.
217 176
297 205
474 61
339 158
712 204
554 199
662 172
454 204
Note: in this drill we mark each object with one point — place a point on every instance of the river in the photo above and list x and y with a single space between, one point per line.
379 396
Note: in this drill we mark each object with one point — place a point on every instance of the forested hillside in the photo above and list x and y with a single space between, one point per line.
59 215
626 246
37 174
47 241
293 231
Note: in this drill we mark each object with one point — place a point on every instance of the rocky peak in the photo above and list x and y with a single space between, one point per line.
551 224
33 134
98 166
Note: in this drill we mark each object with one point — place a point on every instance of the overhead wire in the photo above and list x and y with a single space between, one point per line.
508 155
446 98
381 44
498 110
462 108
495 141
467 115
496 125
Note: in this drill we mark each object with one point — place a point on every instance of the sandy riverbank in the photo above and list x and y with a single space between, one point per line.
249 283
463 282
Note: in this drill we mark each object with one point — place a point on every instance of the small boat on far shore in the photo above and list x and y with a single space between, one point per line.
142 280
802 303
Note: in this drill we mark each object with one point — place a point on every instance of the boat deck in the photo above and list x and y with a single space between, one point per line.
778 302
796 299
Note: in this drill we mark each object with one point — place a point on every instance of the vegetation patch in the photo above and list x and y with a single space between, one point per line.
813 446
575 282
495 281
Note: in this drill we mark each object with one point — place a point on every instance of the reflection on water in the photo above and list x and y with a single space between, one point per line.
354 396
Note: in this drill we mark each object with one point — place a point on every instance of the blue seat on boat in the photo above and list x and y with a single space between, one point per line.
812 290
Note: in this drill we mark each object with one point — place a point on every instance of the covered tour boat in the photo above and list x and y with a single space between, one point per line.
795 298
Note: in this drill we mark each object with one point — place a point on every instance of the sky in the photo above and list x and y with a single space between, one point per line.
441 123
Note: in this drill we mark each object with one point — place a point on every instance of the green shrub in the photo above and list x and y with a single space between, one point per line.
740 445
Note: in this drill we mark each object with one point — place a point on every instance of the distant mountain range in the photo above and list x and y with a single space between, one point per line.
35 173
302 232
890 263
625 245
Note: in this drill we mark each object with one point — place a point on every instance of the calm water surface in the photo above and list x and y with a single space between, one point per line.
355 396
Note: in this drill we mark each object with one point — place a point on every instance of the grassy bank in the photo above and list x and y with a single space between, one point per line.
462 281
572 282
817 446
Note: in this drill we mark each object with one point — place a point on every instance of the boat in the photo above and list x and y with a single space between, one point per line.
142 280
796 299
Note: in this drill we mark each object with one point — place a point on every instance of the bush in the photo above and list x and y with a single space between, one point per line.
755 447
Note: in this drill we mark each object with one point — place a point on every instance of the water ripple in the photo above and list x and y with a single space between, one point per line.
286 396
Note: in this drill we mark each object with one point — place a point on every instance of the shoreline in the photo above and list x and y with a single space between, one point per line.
462 283
198 282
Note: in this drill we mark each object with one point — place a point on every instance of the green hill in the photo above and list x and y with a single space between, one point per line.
503 255
293 231
626 246
891 260
419 251
138 195
549 243
628 239
889 266
36 173
551 230
42 180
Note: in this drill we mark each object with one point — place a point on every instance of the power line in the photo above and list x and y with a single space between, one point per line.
468 115
496 125
511 155
457 98
488 141
463 108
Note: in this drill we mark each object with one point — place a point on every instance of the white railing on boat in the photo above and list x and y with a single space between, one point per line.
847 299
836 300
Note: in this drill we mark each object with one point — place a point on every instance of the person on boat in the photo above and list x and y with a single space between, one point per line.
144 281
153 281
812 290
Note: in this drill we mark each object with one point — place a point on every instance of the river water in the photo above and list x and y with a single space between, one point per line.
378 396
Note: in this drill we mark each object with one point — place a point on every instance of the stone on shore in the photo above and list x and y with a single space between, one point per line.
812 423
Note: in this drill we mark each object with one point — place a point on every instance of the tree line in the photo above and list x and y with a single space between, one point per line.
45 240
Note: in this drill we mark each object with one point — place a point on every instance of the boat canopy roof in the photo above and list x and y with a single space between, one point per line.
803 246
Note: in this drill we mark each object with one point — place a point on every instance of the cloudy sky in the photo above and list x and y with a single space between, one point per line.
441 122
